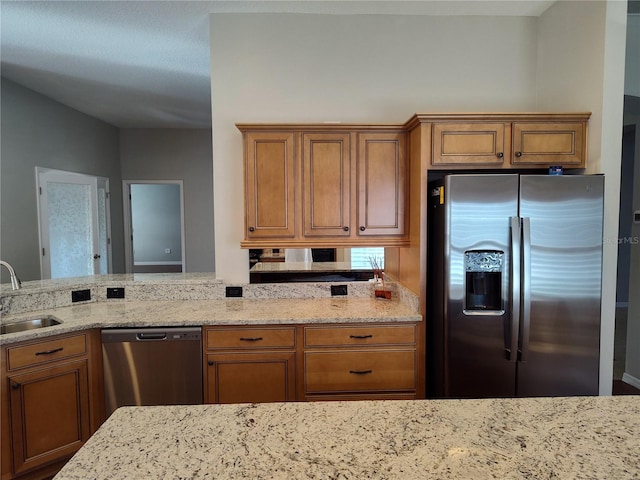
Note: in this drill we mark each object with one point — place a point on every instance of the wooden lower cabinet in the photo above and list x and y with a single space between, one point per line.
360 371
280 363
250 377
49 414
52 401
357 362
250 364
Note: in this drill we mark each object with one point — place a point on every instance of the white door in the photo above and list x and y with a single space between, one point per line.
74 224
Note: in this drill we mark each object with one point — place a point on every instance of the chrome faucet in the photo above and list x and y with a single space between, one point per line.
15 281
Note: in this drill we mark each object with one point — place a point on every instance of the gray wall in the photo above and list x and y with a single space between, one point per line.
178 154
156 222
37 131
626 214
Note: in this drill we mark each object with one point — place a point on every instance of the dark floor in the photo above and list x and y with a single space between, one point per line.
622 388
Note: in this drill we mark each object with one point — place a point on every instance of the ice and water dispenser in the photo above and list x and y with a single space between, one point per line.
483 291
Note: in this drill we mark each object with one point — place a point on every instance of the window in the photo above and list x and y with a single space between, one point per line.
361 257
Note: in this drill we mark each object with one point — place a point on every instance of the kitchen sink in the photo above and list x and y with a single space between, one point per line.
29 324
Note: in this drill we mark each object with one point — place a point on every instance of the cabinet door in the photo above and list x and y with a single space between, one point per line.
269 189
382 178
326 166
250 377
49 414
469 144
549 143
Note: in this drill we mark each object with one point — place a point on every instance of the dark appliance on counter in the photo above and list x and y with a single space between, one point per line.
152 366
323 254
514 287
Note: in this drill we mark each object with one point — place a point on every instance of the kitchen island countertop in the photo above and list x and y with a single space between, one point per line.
571 437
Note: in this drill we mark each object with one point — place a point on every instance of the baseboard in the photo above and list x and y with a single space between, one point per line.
631 380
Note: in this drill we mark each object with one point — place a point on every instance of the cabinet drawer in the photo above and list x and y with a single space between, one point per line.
374 335
46 351
353 371
251 338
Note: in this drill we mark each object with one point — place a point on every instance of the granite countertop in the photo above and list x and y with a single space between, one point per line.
213 312
574 437
194 299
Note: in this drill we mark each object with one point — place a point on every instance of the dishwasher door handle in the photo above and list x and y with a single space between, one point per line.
151 336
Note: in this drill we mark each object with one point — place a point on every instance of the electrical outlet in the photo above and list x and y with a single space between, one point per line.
80 295
113 292
338 290
233 291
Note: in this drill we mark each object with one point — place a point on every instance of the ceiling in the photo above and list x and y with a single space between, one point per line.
145 64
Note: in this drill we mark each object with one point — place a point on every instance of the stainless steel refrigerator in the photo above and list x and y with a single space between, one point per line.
514 285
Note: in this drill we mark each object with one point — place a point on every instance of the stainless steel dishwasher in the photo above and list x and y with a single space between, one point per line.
152 366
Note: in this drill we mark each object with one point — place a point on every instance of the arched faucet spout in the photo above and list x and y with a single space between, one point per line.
15 281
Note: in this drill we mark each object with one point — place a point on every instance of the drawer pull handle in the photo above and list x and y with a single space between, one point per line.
49 352
360 336
250 339
360 372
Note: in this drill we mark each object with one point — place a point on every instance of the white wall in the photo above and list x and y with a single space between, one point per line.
177 154
351 68
581 66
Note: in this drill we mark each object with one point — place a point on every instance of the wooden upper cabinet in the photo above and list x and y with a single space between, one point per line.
382 178
549 143
269 188
326 167
507 140
470 144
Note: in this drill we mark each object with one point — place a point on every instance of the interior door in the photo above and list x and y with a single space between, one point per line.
74 227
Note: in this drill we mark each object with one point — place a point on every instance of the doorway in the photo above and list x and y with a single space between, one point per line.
154 226
75 224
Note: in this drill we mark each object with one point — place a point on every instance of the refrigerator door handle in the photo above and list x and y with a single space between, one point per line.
516 247
526 288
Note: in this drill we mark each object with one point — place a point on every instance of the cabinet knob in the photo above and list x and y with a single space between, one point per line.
210 362
346 229
15 385
518 154
251 229
500 154
363 228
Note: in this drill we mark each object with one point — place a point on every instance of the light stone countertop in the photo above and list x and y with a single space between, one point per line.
551 438
253 311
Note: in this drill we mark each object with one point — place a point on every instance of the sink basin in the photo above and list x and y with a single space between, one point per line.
30 324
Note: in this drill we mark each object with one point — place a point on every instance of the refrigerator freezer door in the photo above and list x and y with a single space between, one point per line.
477 245
562 347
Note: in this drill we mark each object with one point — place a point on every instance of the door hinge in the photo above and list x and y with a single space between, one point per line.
108 241
43 251
40 188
